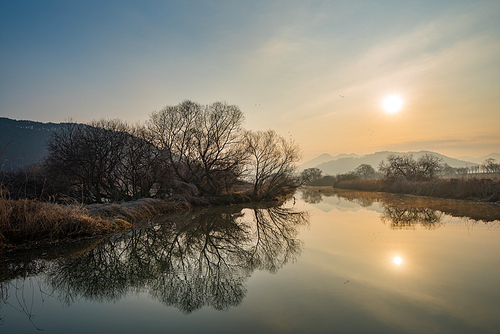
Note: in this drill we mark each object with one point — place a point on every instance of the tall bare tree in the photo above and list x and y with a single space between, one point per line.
201 142
272 162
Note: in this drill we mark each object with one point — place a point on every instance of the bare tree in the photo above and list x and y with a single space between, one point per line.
429 166
272 162
309 175
105 159
405 167
398 167
491 166
86 157
201 143
365 172
143 171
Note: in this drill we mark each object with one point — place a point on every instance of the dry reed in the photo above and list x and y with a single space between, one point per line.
28 221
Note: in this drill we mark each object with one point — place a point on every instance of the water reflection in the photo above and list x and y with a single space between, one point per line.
311 195
406 212
407 218
202 258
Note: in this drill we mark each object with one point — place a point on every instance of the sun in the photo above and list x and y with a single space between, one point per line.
392 103
397 260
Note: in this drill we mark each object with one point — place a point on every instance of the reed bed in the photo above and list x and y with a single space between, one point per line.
483 189
28 221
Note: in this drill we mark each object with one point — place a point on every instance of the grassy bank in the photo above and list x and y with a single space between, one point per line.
485 190
28 222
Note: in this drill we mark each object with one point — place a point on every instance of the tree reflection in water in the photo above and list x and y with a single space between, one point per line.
311 195
408 218
200 259
397 213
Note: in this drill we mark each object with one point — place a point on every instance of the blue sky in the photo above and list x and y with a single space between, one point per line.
285 63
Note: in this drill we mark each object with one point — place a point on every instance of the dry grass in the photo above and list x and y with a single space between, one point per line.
27 221
136 210
483 189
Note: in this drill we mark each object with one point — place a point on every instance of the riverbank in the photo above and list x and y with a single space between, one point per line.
29 223
478 190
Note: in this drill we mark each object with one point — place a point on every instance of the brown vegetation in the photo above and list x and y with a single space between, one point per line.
27 221
185 155
483 189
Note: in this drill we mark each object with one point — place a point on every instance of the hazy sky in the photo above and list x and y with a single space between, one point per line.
286 64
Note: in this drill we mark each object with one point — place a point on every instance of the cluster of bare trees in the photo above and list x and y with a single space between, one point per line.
191 146
104 159
489 168
396 167
406 167
202 144
490 165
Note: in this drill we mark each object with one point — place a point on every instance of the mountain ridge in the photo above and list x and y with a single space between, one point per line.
325 157
23 142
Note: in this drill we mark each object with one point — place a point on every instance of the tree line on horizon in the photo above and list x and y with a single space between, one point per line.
190 149
397 168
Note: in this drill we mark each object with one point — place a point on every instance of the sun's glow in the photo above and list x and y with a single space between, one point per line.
392 103
397 260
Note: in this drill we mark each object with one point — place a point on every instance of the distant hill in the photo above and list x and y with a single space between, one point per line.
325 157
348 164
24 142
480 160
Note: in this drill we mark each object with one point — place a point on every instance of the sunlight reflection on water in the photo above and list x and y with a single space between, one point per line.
340 262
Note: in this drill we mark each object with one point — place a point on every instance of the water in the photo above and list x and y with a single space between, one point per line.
331 262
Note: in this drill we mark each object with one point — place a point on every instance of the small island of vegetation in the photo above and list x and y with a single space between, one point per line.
100 177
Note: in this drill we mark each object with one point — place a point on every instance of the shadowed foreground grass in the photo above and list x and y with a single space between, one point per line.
483 189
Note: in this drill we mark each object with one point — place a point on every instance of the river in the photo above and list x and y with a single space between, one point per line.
326 261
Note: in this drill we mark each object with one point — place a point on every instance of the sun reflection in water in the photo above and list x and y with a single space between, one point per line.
397 260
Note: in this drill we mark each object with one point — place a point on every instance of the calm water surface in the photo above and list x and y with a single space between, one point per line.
326 262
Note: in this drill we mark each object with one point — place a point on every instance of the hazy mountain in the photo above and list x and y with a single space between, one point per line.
480 160
325 157
23 141
344 165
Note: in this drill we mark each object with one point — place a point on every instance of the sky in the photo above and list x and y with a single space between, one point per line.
314 71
